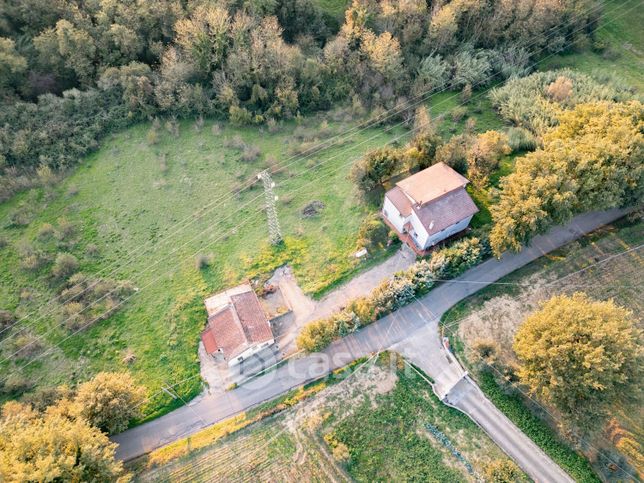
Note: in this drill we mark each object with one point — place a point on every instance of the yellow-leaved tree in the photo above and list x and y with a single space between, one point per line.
591 161
580 355
52 447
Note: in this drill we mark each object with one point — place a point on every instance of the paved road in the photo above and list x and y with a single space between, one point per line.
467 397
383 334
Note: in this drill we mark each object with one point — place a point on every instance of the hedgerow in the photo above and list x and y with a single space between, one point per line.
393 294
538 431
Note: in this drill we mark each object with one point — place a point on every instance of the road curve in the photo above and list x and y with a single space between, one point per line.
209 409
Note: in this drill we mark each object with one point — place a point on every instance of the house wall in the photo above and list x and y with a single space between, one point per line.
447 232
392 214
419 233
249 352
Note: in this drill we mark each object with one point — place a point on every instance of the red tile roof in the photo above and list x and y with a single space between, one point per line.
237 326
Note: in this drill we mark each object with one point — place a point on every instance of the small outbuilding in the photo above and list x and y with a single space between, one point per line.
428 207
237 325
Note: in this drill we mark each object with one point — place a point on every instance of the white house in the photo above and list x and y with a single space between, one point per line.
237 325
429 207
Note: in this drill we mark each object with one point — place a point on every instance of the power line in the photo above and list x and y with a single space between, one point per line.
395 139
370 123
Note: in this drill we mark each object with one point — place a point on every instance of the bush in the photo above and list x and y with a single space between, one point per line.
250 153
373 233
452 261
458 113
392 294
376 167
64 265
536 101
46 231
7 319
25 345
521 139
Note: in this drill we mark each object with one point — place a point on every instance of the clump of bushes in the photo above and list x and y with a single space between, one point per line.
520 139
64 265
373 233
88 300
536 101
393 294
452 261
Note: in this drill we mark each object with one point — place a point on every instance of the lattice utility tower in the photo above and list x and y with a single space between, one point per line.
274 233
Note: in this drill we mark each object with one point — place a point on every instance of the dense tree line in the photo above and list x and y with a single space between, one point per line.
71 71
591 160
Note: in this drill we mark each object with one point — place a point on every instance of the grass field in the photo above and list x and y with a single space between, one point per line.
369 426
143 211
495 312
622 39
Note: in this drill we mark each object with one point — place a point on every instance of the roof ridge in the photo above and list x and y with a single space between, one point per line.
240 326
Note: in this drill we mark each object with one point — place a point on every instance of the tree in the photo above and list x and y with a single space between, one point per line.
109 401
11 62
383 52
591 161
579 354
52 447
421 150
484 155
204 37
375 167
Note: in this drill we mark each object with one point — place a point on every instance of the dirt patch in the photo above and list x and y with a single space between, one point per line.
312 209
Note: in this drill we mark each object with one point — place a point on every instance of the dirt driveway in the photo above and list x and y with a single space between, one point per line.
305 309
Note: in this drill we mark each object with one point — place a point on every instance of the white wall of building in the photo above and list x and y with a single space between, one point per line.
447 232
393 215
418 234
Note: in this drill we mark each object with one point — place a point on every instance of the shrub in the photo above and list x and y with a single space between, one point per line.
66 229
376 167
250 153
7 319
471 67
373 233
202 261
520 139
389 296
452 261
15 385
64 265
25 345
536 101
458 113
46 231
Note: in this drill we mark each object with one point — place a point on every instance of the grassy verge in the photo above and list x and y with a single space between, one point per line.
494 312
383 415
541 433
